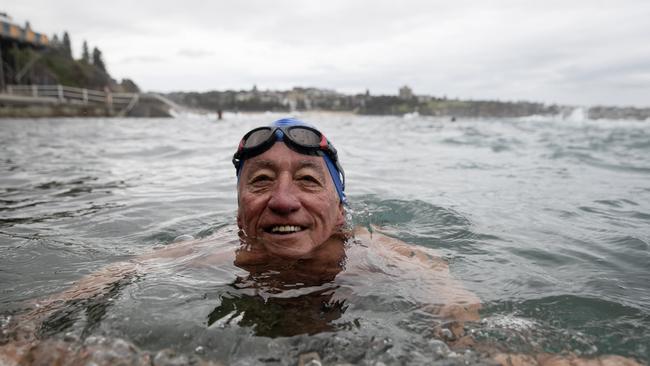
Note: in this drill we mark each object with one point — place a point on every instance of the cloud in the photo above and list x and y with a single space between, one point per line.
142 59
550 51
194 52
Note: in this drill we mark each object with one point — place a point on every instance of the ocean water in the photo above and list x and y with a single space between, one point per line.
546 220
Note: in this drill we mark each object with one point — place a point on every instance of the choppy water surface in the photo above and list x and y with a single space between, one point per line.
547 221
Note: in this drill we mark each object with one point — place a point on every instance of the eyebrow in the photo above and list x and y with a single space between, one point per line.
262 164
315 166
309 164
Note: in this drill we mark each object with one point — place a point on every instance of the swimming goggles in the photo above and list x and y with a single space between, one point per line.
302 139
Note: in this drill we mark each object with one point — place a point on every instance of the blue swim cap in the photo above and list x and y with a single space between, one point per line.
331 166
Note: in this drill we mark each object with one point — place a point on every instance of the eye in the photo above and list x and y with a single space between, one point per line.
260 179
309 180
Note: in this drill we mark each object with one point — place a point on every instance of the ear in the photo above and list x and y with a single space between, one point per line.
340 221
239 218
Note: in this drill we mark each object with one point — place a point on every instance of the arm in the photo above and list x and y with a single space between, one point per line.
106 282
449 299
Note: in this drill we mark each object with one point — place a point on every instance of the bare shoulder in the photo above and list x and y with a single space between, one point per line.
448 296
392 246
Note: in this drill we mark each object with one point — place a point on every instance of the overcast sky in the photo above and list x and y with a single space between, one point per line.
569 52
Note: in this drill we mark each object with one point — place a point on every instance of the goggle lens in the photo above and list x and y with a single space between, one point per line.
304 136
257 137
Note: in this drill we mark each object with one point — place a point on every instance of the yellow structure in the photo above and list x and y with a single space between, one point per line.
13 32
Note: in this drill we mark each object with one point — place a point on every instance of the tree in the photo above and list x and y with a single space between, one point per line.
129 86
85 55
97 59
67 47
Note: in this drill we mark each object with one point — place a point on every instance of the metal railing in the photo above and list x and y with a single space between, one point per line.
123 102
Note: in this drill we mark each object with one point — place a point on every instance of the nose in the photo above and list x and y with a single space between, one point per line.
283 198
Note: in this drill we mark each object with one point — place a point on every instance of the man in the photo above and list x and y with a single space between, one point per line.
291 213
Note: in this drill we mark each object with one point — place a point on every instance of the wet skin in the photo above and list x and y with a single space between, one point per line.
288 205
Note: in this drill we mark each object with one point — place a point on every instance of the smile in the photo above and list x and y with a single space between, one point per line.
284 229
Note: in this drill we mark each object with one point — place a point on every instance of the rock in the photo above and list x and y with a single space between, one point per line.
309 359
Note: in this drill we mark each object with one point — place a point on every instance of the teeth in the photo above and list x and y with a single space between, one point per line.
285 229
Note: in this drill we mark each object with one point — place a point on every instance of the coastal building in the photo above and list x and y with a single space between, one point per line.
405 93
12 32
13 36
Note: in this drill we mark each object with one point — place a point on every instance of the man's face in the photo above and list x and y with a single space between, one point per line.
288 202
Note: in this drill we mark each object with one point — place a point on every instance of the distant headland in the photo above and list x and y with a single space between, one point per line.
405 102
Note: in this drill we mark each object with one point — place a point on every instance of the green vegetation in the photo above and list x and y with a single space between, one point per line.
56 65
387 104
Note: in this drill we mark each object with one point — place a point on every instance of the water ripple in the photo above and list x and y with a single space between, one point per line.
546 219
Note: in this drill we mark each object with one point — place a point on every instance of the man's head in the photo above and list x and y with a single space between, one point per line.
290 188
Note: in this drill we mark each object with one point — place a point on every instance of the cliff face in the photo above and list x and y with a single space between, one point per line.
29 71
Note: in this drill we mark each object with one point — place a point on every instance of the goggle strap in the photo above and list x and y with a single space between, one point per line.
323 142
